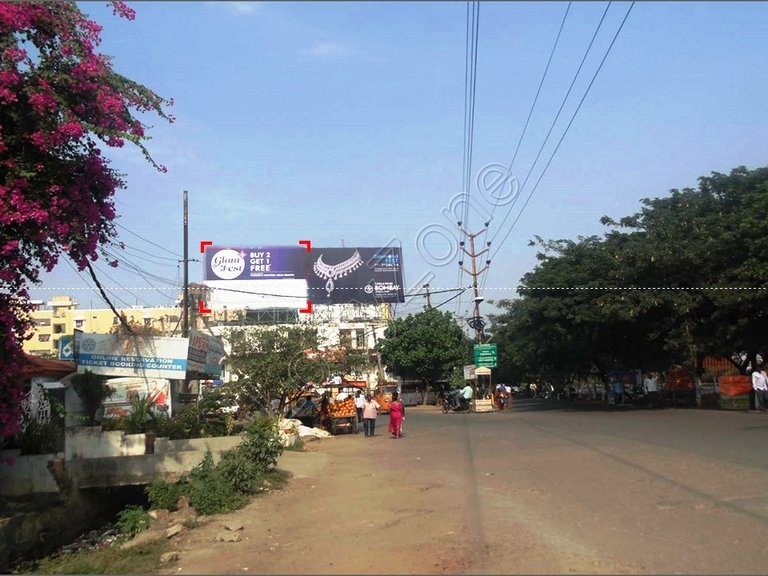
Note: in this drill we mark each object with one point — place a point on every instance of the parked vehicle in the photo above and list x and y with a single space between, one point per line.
383 396
455 402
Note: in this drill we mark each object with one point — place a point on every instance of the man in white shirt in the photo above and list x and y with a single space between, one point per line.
466 394
652 389
359 405
760 386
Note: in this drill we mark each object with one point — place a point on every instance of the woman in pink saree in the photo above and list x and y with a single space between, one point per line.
396 415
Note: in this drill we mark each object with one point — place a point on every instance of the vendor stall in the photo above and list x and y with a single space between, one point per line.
342 417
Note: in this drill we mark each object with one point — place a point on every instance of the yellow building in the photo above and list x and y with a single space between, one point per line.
61 316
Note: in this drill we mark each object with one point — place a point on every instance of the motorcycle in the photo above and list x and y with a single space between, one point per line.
455 402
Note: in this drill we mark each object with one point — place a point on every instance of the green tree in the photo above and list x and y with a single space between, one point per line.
426 347
684 277
275 362
92 390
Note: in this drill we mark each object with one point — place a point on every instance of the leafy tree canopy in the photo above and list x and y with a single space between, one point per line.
426 346
685 276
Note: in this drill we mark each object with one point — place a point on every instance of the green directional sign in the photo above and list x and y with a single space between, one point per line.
486 355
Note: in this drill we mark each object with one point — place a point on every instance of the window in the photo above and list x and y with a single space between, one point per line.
360 339
79 323
43 337
58 328
148 322
115 321
42 321
345 338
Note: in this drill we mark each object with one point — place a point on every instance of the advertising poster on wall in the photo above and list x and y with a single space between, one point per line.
347 275
124 390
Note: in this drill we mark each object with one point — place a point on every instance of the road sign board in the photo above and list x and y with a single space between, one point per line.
486 355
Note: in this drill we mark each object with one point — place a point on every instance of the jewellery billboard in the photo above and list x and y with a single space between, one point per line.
288 276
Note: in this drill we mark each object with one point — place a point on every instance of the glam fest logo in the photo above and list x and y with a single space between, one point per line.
228 264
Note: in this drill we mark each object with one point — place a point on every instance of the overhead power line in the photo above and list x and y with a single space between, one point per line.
557 117
573 117
536 98
470 91
149 241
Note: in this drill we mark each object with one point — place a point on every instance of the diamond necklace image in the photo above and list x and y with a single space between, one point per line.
333 272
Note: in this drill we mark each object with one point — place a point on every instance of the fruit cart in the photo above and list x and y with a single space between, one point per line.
343 417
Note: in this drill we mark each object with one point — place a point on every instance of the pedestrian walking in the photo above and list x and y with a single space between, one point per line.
370 412
396 416
760 386
652 389
359 405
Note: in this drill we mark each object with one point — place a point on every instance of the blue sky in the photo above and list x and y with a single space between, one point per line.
344 122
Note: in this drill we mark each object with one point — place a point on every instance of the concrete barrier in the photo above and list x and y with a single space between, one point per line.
26 474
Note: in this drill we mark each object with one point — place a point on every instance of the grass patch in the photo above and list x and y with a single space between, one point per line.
143 559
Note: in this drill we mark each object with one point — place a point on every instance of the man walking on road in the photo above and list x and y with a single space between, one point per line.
760 386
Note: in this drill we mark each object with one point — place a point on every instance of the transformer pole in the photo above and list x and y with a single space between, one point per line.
427 295
476 322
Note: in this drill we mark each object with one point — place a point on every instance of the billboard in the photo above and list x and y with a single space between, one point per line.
288 276
364 275
131 355
259 263
204 355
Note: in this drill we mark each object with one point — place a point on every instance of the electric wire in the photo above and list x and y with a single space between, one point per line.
149 241
535 100
152 259
449 299
470 91
573 117
105 274
557 116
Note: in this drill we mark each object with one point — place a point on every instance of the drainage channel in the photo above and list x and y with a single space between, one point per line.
31 530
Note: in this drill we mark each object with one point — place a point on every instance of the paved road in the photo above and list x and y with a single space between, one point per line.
544 488
660 491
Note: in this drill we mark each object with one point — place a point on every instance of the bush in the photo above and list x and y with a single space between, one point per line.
40 438
132 520
262 443
209 491
164 495
240 471
140 418
186 423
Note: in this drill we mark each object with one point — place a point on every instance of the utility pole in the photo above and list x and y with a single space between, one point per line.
185 303
476 322
429 300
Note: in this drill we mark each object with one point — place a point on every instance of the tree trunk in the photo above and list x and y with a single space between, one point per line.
427 388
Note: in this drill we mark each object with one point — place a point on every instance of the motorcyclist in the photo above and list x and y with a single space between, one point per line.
466 395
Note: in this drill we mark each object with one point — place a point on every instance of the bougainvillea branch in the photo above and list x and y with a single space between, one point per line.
60 104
